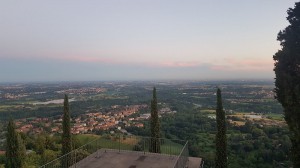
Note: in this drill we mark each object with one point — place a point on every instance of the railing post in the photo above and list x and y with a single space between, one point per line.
97 144
119 143
144 148
169 150
75 158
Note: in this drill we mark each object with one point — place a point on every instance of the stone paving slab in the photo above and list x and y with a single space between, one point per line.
116 159
194 162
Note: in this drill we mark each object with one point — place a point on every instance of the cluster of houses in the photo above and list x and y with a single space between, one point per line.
87 122
32 125
13 96
99 121
119 117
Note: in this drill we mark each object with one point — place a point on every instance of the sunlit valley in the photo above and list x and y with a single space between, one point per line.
257 133
149 84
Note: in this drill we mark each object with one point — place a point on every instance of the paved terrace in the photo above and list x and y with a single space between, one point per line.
130 159
120 152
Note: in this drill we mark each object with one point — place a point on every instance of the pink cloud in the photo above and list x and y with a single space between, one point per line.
91 59
227 64
87 59
230 64
219 67
179 64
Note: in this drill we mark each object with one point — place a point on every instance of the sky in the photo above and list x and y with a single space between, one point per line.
100 40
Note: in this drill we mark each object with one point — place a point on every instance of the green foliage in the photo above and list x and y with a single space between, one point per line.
66 136
76 142
287 61
221 140
48 155
81 154
269 148
155 125
249 146
40 144
2 159
15 148
44 148
33 159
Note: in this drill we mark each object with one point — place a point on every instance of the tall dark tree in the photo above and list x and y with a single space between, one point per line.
15 148
221 140
155 125
66 135
287 83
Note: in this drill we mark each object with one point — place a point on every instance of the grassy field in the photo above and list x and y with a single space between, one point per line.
5 107
115 143
208 111
269 100
86 138
20 106
273 116
238 123
198 97
105 96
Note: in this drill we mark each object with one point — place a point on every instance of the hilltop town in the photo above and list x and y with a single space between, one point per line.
118 118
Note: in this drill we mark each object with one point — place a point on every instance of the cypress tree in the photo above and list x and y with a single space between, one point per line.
15 148
66 136
155 125
221 140
287 81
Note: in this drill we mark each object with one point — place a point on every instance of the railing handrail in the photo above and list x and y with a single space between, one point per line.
180 153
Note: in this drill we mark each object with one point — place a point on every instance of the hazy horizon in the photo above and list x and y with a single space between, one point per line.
143 81
139 40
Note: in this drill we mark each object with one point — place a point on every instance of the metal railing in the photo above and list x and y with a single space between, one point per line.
123 143
183 158
70 159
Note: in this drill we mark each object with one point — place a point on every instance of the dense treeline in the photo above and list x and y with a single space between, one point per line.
42 148
251 145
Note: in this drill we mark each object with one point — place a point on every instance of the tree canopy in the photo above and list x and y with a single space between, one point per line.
155 125
66 136
15 148
221 140
287 71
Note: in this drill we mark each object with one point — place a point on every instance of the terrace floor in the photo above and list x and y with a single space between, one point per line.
130 159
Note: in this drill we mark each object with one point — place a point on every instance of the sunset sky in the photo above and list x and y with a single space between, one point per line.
139 39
